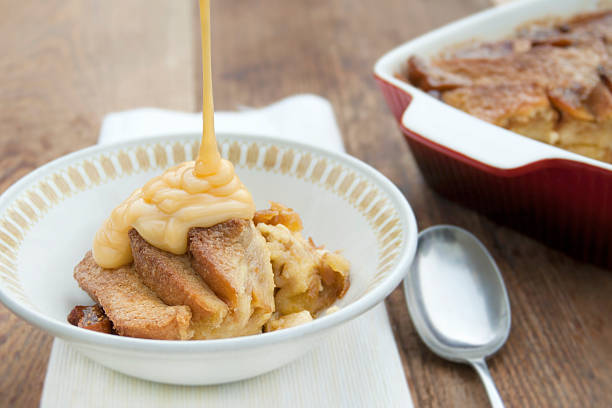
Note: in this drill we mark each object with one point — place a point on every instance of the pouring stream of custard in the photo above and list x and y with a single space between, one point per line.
198 193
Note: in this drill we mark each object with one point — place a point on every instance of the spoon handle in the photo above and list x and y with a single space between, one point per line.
483 371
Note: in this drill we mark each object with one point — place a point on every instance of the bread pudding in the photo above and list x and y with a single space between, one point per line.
552 81
239 277
186 256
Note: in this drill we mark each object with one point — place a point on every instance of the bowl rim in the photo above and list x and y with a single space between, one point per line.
378 293
413 121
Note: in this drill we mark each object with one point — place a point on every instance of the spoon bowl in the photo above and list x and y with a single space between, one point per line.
457 299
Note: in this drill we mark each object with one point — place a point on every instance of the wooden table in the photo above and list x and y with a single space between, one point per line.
65 64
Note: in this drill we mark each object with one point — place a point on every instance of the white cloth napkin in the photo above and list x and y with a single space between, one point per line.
358 366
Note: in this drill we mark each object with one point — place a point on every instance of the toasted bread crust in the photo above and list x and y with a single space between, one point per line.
233 259
134 309
173 279
226 254
216 251
90 318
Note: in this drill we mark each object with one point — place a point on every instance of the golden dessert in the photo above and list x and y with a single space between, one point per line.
306 277
235 279
552 82
186 256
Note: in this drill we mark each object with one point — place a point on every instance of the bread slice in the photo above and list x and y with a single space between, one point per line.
173 279
234 261
134 309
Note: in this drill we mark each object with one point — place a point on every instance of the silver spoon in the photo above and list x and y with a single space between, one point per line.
457 300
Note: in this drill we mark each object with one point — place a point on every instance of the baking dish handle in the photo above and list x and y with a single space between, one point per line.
455 130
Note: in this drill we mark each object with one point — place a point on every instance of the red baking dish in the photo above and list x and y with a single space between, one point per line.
559 197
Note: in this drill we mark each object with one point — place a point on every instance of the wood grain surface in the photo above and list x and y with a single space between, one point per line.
67 63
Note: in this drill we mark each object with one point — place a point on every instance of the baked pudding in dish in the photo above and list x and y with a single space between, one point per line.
238 277
551 82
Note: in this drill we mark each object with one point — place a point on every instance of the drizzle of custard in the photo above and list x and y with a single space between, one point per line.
198 193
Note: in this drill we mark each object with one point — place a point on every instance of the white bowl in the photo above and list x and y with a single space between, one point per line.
48 220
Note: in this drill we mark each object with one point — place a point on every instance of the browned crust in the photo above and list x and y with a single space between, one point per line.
90 318
216 252
549 83
279 214
429 77
134 309
600 102
478 100
173 279
233 259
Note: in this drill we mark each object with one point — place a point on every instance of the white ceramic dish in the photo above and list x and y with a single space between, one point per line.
459 131
48 219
